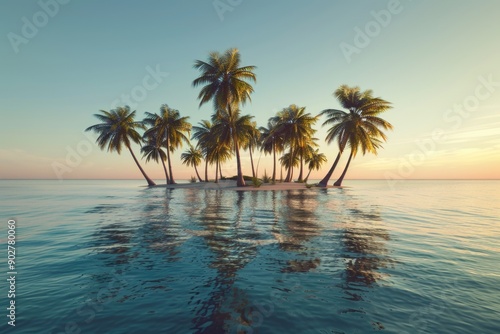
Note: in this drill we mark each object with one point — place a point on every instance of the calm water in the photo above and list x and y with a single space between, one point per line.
116 257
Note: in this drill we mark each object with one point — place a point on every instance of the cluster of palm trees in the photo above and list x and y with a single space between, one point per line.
289 134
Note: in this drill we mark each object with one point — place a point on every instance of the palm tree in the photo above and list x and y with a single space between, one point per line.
295 126
359 126
119 128
304 150
271 142
192 157
202 134
289 160
152 150
250 142
314 161
170 130
230 129
218 153
225 83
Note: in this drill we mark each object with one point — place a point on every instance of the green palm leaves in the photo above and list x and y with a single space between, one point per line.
224 81
169 130
192 157
117 129
359 127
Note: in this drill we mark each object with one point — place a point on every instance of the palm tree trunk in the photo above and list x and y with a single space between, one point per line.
217 171
324 182
289 174
251 160
165 169
150 182
274 163
338 183
240 181
206 169
169 163
197 174
301 173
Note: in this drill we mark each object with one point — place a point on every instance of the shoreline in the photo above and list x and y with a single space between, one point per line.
231 185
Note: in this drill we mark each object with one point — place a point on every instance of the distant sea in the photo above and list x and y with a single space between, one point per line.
118 257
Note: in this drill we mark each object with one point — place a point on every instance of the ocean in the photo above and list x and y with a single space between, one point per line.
98 256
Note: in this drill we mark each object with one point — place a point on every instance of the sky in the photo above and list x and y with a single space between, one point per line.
436 62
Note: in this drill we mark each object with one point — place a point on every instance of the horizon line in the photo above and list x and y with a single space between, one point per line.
180 179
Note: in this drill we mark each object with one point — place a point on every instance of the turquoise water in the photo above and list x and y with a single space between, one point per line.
116 257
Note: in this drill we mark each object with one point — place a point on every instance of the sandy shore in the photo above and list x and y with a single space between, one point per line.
231 185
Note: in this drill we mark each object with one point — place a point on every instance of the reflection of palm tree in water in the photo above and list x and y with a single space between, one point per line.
225 305
296 223
364 239
161 233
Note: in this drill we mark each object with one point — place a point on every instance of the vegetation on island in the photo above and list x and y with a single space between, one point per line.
288 135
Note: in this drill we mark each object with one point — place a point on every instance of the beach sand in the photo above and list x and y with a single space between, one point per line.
231 185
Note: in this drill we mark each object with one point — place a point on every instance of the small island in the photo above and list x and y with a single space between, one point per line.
289 133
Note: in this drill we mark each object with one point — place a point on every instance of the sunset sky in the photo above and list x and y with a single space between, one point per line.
437 62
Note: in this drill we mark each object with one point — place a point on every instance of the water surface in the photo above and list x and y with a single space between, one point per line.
117 257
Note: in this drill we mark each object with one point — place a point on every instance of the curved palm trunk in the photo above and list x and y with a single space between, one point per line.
169 163
251 160
338 183
197 174
324 182
220 170
274 163
165 169
206 169
307 177
150 182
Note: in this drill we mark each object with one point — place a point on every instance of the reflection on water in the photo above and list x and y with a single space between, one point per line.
194 248
224 227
